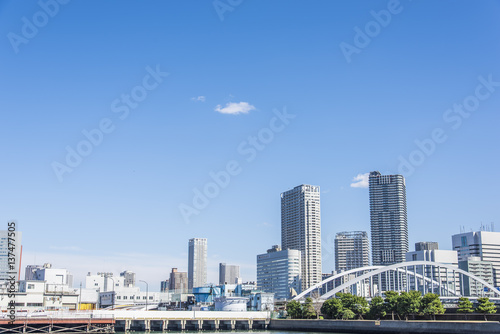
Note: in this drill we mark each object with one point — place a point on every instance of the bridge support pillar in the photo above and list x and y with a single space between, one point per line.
127 325
147 325
164 326
250 324
233 325
183 325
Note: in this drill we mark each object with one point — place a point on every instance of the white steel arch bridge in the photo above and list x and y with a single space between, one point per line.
425 276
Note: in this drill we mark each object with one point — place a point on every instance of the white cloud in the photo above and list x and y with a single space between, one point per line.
200 98
233 108
360 181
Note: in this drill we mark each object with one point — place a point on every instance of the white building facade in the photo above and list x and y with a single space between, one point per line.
301 229
482 244
352 250
228 274
443 277
482 269
197 262
279 272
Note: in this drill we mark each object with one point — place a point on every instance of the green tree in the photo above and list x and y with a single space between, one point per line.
294 309
377 308
391 302
485 306
409 303
358 305
348 314
332 308
308 311
431 305
465 306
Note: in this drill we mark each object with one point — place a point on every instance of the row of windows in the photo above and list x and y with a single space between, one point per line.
136 297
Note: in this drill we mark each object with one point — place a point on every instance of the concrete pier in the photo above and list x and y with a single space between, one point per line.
387 326
139 321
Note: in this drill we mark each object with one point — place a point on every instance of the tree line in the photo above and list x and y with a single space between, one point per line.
401 305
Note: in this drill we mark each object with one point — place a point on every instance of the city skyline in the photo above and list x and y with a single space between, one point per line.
127 130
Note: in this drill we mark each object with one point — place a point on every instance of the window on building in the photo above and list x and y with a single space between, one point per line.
464 241
31 286
414 257
124 297
119 297
150 298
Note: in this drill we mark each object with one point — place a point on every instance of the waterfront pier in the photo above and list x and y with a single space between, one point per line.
102 321
188 320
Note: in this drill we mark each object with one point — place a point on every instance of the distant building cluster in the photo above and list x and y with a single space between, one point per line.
283 271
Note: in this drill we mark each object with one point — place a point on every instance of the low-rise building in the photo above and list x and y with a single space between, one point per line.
481 269
38 294
261 301
279 272
444 277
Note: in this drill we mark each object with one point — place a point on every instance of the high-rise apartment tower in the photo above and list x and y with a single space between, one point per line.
301 229
197 263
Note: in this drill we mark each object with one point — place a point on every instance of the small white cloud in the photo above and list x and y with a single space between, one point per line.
233 108
360 181
198 98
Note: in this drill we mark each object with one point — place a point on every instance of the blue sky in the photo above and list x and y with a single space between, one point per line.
119 207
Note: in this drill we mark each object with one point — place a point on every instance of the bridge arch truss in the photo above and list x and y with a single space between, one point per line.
425 276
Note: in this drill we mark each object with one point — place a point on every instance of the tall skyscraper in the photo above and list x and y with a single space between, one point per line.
197 263
278 272
389 224
228 274
301 229
482 244
351 250
7 267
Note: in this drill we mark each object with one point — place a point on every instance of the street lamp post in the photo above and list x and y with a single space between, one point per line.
147 297
80 298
